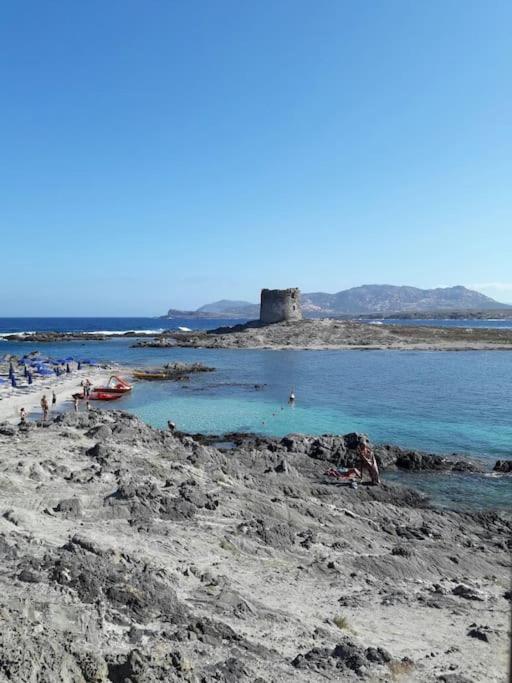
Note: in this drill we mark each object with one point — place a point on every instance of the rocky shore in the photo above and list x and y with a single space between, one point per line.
131 554
304 334
336 334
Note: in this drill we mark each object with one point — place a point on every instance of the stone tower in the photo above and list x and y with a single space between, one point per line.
280 304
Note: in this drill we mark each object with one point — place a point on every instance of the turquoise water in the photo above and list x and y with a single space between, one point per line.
440 402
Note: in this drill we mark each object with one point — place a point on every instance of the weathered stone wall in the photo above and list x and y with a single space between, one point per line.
280 304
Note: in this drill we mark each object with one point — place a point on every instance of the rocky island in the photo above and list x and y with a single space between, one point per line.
336 334
132 554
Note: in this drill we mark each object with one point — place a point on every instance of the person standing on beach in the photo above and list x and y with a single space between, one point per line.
45 407
75 403
23 416
54 398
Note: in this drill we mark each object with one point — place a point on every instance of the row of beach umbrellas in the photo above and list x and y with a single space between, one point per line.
34 363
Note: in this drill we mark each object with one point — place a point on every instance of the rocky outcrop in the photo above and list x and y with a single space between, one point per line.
342 451
130 553
503 466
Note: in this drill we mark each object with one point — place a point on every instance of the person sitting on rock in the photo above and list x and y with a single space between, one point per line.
368 462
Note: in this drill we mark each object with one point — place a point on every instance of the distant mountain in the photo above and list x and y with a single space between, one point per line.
359 301
232 307
371 299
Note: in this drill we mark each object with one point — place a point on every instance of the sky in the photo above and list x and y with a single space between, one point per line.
168 153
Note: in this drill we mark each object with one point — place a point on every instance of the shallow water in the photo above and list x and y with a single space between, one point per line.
435 401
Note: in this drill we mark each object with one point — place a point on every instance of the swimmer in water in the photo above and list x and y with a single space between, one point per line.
291 397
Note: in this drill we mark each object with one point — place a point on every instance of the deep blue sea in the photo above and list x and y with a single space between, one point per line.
439 402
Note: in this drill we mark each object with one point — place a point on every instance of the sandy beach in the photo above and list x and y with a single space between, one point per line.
29 396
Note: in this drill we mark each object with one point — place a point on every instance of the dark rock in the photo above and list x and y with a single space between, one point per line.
69 507
101 433
467 592
100 452
483 633
131 588
503 466
282 467
401 551
28 576
276 535
7 429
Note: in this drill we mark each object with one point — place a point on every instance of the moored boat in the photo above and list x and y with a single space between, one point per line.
115 385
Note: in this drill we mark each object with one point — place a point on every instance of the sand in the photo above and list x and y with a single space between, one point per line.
29 396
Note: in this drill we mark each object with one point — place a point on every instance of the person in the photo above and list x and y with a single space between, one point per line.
68 369
79 365
54 398
45 407
368 462
171 426
87 405
291 397
23 416
75 403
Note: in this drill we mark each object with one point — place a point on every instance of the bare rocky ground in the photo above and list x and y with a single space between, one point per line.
129 554
337 334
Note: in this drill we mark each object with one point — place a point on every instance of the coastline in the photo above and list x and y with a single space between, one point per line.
329 334
308 334
12 400
180 558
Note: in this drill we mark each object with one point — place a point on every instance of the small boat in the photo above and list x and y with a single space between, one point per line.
184 329
144 374
115 385
98 395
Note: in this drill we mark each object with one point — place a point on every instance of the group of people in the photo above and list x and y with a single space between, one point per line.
45 403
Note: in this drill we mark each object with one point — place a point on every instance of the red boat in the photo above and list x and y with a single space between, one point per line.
98 395
115 385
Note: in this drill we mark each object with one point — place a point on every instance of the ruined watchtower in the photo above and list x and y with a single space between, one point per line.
280 304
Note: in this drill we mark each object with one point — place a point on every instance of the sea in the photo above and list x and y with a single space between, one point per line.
434 401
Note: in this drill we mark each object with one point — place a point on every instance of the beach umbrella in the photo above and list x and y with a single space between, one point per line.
69 359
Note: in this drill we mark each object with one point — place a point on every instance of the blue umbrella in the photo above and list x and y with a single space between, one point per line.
68 359
2 381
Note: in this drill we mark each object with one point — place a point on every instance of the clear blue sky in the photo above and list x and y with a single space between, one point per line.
170 153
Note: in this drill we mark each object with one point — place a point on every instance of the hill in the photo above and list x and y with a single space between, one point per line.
364 300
